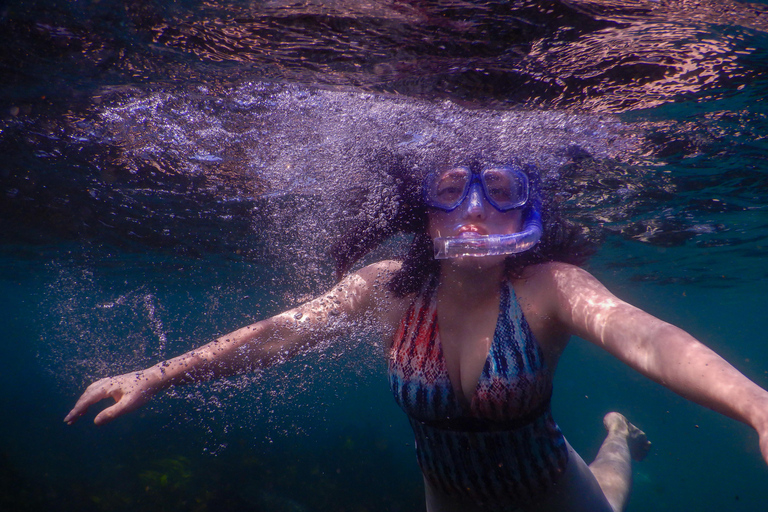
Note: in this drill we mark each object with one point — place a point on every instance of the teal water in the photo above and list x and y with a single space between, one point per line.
321 432
132 230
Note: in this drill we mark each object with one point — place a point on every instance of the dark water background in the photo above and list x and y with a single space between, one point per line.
170 171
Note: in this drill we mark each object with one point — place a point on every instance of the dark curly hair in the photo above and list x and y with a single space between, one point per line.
399 200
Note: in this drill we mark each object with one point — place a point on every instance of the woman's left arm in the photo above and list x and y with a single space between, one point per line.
657 349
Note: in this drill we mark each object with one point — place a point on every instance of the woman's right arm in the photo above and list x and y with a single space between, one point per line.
251 348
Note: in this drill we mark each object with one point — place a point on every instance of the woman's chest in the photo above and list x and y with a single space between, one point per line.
446 364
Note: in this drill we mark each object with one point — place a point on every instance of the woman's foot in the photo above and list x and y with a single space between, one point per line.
616 424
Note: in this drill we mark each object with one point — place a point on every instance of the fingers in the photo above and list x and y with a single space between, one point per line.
108 414
129 392
75 413
130 401
94 393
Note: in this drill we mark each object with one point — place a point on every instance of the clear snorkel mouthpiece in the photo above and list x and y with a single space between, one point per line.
492 245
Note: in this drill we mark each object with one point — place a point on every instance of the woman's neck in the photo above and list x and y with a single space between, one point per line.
469 282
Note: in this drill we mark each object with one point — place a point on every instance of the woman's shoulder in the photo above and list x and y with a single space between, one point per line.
377 277
551 271
389 307
562 287
550 283
381 271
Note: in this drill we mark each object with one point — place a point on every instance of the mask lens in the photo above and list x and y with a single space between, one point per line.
446 190
505 188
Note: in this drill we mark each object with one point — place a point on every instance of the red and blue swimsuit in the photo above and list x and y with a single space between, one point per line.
505 449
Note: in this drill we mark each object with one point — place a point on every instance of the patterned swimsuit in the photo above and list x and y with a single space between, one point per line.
505 449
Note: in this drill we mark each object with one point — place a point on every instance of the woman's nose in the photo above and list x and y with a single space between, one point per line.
475 207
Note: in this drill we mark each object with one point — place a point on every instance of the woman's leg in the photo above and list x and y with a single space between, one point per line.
613 465
604 485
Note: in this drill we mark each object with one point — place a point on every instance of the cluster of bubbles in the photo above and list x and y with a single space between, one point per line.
292 149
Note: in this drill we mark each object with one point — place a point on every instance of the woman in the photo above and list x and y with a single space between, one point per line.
475 333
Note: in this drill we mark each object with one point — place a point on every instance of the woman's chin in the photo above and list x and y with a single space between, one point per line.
476 263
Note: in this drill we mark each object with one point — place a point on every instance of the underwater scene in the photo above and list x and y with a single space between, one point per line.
174 170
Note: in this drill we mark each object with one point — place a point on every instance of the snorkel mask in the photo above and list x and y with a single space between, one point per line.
505 188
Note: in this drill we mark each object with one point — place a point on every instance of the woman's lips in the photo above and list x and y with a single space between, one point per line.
470 232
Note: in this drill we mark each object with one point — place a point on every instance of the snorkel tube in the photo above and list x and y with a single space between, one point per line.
492 245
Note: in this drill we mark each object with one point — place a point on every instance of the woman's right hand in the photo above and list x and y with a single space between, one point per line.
130 391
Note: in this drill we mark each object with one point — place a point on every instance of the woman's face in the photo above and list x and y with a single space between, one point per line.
475 216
